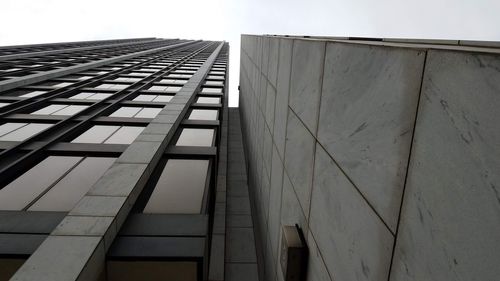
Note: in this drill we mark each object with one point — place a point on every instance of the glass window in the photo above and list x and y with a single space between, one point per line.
25 132
70 110
126 111
162 98
148 112
112 86
23 190
125 135
63 84
214 83
208 100
96 134
60 109
2 104
144 98
158 88
203 114
211 90
69 190
82 96
99 96
9 127
196 137
49 109
180 188
33 94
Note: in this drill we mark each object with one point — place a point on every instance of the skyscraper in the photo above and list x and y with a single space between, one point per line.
109 161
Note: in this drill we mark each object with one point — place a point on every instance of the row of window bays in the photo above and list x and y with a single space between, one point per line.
60 175
21 67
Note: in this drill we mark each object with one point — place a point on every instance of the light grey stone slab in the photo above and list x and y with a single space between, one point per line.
120 180
239 221
268 151
102 206
354 242
282 93
316 268
275 200
291 212
274 48
299 159
240 245
161 128
367 114
271 99
166 119
238 205
306 77
84 226
88 226
242 272
151 137
265 56
449 227
45 263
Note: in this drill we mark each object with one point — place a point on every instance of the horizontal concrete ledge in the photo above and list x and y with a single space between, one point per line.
439 44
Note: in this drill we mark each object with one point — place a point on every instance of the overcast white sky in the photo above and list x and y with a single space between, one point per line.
40 21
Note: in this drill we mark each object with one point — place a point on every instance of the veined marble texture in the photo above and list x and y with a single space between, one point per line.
450 221
353 241
367 113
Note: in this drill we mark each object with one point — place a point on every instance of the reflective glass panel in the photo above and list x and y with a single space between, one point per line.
126 111
208 100
96 134
25 132
49 109
203 114
196 137
69 190
33 94
148 112
163 98
144 98
180 188
9 127
2 104
211 90
70 110
20 192
125 135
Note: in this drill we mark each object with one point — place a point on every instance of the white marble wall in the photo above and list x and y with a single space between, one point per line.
386 157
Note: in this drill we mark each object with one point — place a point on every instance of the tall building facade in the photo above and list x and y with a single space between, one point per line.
112 159
385 152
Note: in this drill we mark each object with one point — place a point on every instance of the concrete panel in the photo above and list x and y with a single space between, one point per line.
450 226
306 79
367 114
282 92
299 159
316 269
353 241
275 201
291 212
45 263
272 72
271 99
240 245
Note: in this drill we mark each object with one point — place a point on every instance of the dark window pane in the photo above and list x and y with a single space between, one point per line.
203 114
70 189
180 188
125 135
19 193
196 137
148 112
25 132
96 134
